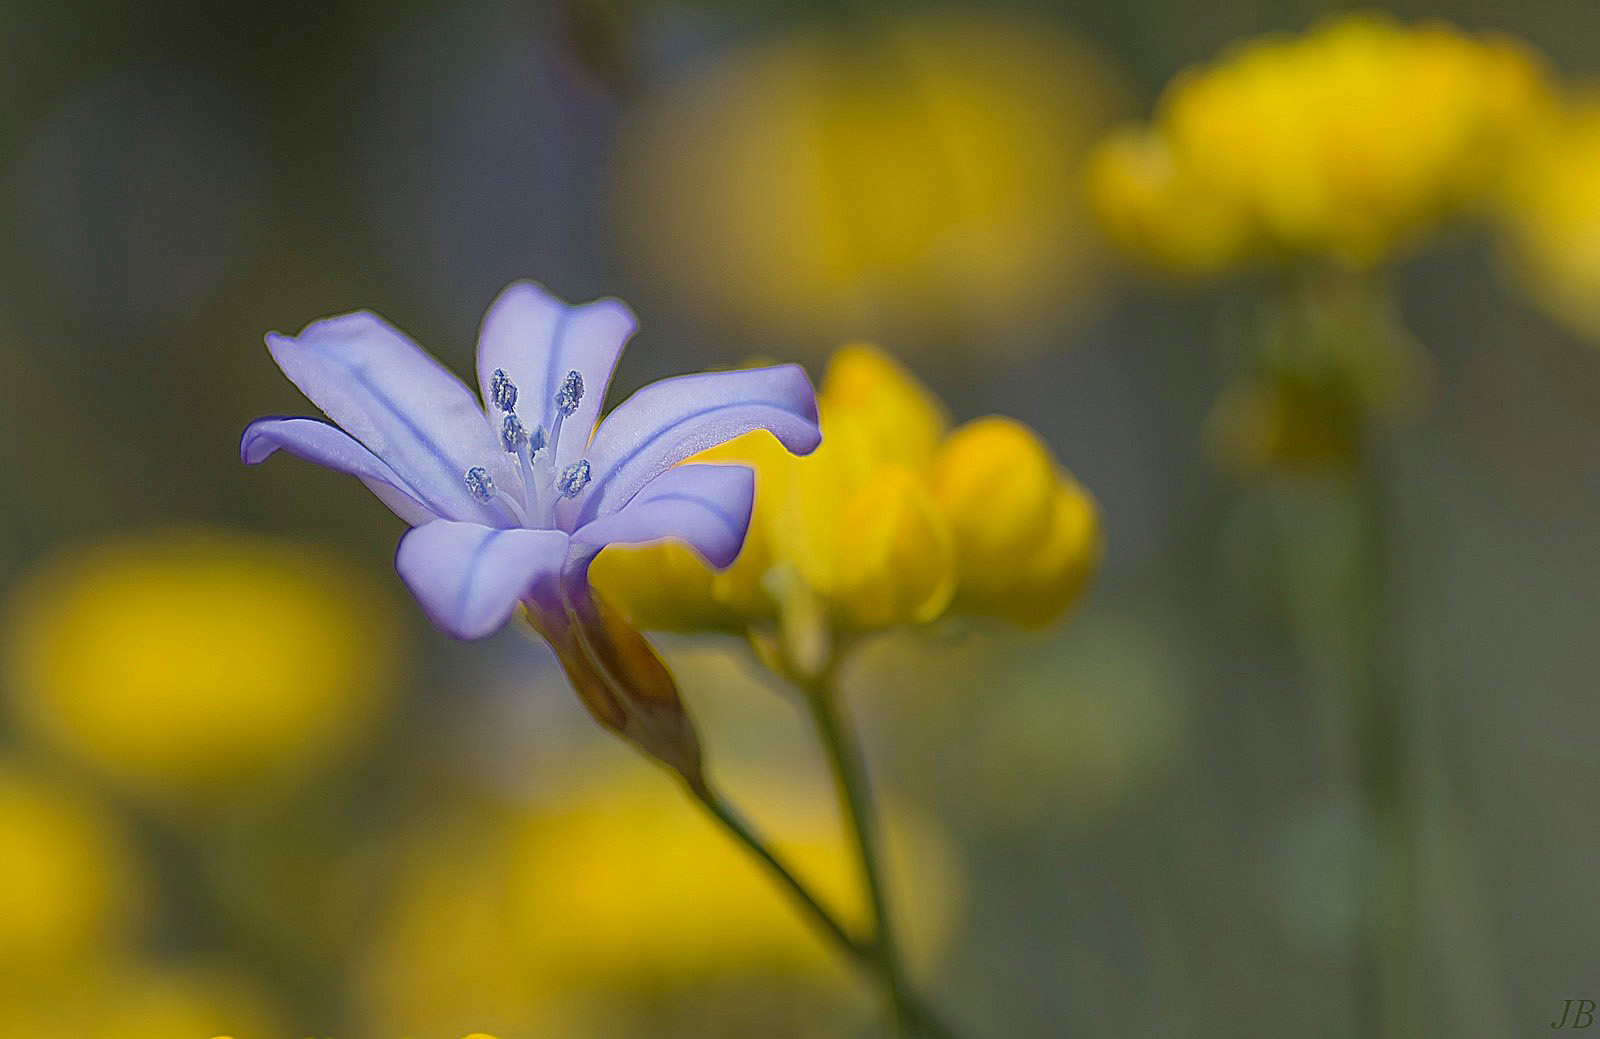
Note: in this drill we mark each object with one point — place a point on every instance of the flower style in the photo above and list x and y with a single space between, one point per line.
511 501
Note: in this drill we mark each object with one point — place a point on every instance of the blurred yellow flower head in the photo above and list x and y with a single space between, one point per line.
916 174
69 888
183 665
1553 218
548 919
895 519
1345 142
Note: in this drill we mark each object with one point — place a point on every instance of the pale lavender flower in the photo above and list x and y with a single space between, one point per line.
511 500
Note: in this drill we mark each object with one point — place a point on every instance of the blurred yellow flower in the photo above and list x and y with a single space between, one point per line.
893 520
142 1001
906 176
184 665
1553 218
1027 535
1345 142
69 887
549 919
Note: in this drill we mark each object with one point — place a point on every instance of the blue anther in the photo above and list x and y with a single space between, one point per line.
571 393
512 433
574 478
502 391
480 483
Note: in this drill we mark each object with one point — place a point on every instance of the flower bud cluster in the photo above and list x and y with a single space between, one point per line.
895 519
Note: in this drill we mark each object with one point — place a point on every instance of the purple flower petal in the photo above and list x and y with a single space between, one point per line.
536 339
707 506
469 578
329 446
403 405
668 421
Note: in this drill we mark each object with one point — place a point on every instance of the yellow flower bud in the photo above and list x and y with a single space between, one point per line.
1061 564
894 555
888 522
861 530
898 419
996 483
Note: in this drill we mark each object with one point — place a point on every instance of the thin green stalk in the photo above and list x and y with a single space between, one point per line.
1382 728
864 954
855 801
825 921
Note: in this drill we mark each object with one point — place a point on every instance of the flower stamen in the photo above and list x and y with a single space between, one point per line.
571 393
513 434
574 478
480 483
482 487
567 399
502 391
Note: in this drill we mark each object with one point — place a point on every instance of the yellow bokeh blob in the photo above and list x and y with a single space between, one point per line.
1347 142
69 886
917 173
184 665
1553 218
539 919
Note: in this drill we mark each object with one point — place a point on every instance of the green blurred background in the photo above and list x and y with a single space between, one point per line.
246 790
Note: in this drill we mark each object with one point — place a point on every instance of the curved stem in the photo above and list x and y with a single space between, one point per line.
855 801
819 915
863 954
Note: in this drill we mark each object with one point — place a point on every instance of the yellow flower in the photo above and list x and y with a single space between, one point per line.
909 174
1026 533
541 919
1553 218
184 665
69 889
891 521
1346 142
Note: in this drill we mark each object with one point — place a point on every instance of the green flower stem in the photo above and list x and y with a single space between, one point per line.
864 954
855 802
1382 726
730 820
